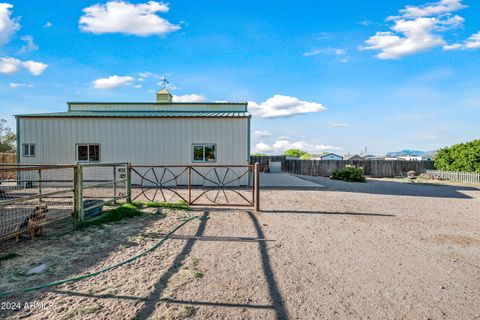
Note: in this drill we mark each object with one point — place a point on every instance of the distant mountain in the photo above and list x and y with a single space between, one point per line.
408 153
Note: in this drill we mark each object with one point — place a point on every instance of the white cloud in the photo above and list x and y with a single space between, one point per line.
145 75
411 36
14 85
12 65
284 106
189 98
262 147
416 29
47 24
9 65
340 53
326 51
365 23
430 9
454 46
127 18
8 26
334 124
313 52
112 82
29 44
34 67
473 42
280 145
261 134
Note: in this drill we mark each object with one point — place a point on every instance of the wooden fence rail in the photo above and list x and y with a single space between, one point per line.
469 177
324 168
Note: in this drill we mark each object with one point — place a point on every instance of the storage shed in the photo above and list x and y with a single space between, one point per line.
160 133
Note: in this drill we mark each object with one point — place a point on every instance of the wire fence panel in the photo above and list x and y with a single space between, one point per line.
98 185
34 196
458 176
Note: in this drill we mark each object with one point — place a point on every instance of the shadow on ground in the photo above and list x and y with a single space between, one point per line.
275 295
155 296
394 188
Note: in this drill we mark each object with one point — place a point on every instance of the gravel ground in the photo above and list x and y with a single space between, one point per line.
378 250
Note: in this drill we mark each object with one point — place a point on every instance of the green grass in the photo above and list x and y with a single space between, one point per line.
9 256
130 210
122 212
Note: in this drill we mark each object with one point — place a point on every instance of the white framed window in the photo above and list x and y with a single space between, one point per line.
28 149
88 152
204 152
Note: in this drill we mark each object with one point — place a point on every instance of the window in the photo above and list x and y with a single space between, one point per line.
29 150
88 152
204 152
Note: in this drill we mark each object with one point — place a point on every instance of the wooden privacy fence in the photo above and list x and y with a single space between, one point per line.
264 161
470 177
374 168
7 158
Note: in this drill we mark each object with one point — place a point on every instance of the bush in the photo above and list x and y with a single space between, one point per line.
349 173
459 157
295 153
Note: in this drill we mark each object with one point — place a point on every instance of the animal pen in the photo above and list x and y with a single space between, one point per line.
78 192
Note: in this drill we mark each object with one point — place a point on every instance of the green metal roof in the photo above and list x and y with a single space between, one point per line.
138 114
157 103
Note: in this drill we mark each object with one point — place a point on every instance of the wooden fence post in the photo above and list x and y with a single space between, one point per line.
78 193
257 186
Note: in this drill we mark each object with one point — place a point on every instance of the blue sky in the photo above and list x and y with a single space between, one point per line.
321 76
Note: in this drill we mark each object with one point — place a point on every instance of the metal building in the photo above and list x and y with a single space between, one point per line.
164 132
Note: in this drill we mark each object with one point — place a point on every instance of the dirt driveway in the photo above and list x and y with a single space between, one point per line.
380 250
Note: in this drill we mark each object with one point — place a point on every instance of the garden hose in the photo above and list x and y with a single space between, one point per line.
185 220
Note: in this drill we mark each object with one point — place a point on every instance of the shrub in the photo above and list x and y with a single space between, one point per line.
349 173
459 157
295 153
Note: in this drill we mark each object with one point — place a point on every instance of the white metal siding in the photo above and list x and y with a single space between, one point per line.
159 141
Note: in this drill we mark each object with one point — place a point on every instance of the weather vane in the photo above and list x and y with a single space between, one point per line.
164 82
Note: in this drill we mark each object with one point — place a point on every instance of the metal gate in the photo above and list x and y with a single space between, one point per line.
203 185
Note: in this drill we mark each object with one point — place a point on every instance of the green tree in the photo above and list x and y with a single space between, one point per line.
258 154
459 157
7 138
296 153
